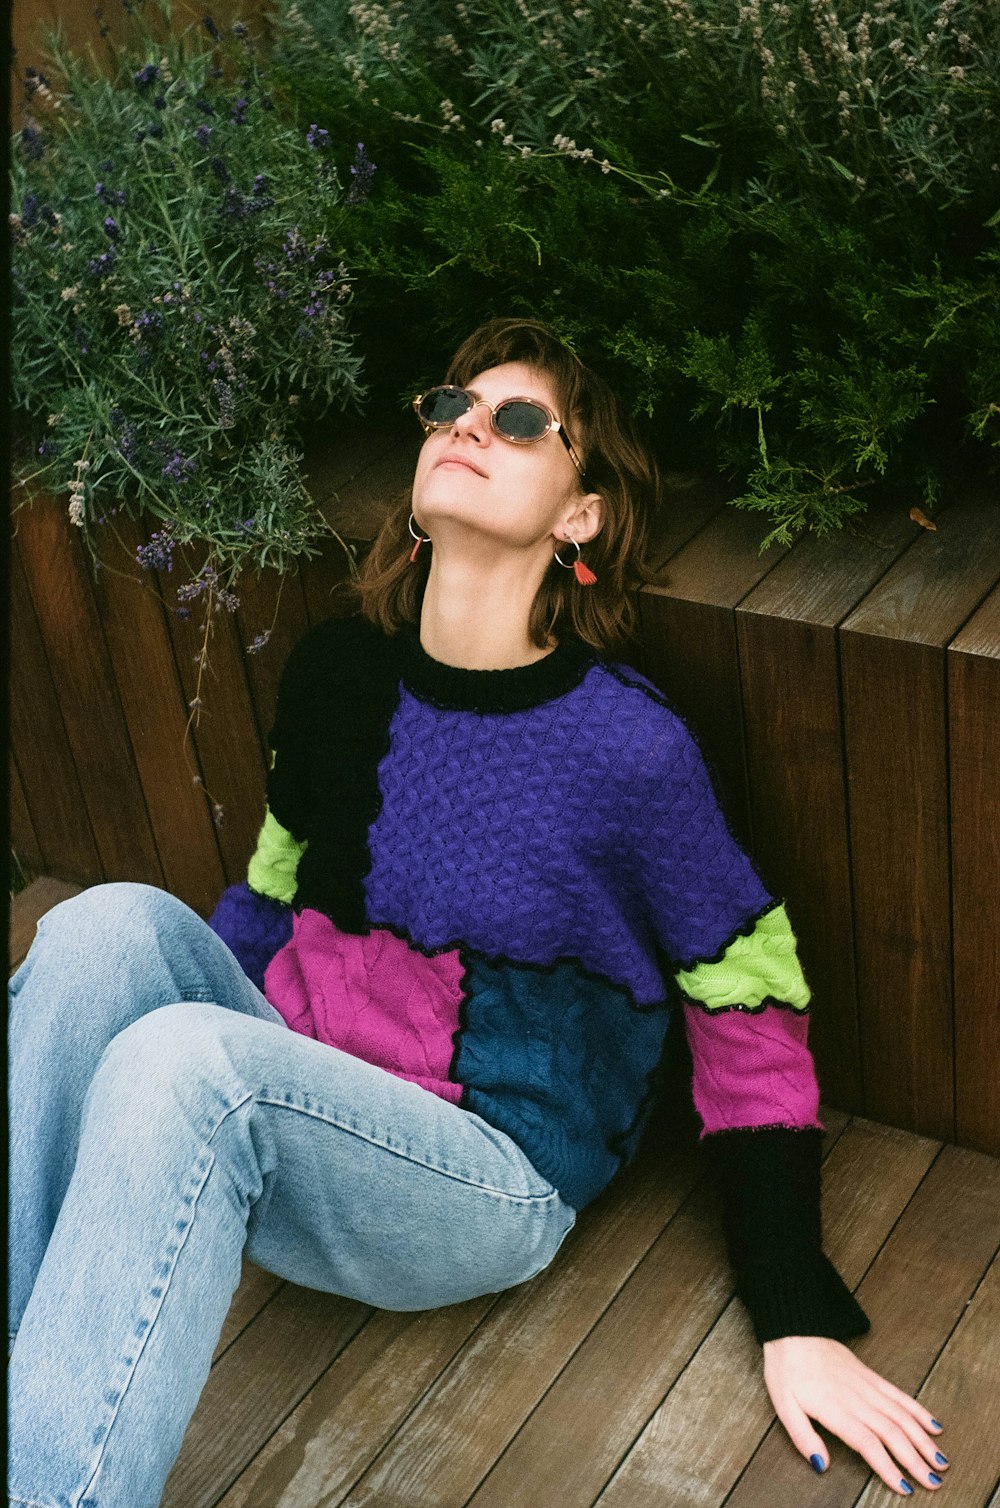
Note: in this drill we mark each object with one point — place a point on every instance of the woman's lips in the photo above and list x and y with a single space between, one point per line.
468 466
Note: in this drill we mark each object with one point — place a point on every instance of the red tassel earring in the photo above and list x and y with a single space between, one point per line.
583 573
422 539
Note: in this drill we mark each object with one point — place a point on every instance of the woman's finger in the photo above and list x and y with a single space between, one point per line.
922 1415
799 1428
903 1436
870 1447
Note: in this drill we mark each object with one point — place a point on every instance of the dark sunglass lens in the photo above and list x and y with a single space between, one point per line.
522 421
442 405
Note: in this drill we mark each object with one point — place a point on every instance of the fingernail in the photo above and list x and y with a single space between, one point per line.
936 1425
932 1476
816 1462
905 1486
941 1460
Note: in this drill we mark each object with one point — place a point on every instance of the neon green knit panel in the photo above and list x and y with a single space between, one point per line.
763 966
272 870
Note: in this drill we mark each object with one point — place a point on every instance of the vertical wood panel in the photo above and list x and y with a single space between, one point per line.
791 709
355 506
689 631
269 602
23 838
133 617
39 741
973 662
893 664
224 740
54 560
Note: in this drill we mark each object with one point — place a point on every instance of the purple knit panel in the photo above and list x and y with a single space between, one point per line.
552 833
253 927
372 996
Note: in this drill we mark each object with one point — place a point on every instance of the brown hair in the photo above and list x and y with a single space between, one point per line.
617 464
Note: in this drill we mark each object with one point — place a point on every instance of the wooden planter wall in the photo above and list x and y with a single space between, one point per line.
846 693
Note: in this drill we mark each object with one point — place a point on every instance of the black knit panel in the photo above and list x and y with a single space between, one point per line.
769 1181
338 692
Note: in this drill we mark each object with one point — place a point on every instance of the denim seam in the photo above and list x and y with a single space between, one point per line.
16 1502
281 1104
202 1165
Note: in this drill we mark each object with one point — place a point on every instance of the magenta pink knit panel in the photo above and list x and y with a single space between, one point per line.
751 1068
374 997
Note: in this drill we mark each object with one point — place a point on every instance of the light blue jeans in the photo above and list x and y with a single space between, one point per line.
163 1119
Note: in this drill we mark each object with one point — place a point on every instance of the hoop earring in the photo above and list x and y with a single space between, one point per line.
584 574
422 539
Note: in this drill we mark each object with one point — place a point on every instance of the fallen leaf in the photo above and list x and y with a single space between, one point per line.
920 517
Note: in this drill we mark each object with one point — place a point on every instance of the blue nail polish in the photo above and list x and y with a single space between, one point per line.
936 1424
942 1460
933 1477
816 1462
906 1486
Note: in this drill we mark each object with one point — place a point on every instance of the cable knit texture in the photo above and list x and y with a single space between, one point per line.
499 884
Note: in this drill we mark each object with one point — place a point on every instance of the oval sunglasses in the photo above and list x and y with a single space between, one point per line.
523 420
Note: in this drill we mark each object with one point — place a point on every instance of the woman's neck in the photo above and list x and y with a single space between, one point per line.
481 625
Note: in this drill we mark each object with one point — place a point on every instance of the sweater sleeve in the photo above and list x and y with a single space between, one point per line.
733 957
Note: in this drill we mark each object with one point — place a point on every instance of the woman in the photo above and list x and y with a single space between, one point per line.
488 852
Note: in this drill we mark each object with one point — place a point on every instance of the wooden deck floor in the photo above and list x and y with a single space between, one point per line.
626 1374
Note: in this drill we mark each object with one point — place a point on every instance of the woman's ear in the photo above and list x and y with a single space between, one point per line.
589 516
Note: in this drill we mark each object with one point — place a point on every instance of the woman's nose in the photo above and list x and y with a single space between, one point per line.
475 420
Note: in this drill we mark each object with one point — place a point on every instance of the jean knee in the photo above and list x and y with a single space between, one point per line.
114 907
171 1057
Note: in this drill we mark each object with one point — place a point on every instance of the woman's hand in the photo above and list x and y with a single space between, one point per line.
812 1377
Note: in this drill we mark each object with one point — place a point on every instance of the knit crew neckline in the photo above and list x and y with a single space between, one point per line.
512 690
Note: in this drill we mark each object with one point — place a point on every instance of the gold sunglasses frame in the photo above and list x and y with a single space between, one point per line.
553 422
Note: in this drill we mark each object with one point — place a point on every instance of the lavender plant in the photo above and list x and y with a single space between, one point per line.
181 300
772 222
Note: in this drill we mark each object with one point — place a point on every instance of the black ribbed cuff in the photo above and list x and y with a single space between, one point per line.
808 1297
769 1182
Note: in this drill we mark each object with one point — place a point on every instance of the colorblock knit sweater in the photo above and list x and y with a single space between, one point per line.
499 884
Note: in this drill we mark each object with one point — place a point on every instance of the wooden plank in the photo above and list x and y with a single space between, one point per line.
456 1432
356 1406
722 563
269 602
224 740
361 504
255 1385
133 617
356 513
691 499
973 668
257 1289
53 557
708 1427
928 595
51 784
27 908
931 1265
359 1404
346 446
790 679
689 631
344 1432
893 667
963 1385
23 838
648 1336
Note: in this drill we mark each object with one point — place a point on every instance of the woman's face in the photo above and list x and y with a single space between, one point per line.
518 493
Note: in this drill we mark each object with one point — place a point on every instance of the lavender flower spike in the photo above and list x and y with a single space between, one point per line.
362 171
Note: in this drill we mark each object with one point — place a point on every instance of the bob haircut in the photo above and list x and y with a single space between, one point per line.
617 464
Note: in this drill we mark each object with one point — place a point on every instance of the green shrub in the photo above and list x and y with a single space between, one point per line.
776 237
180 300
